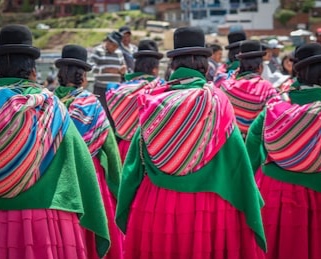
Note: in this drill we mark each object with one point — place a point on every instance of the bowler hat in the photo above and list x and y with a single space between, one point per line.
250 49
17 39
189 41
124 29
73 55
147 48
307 54
235 38
114 37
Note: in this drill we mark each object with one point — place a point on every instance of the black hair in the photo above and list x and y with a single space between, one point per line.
232 53
250 65
16 65
70 74
146 64
215 47
196 62
310 75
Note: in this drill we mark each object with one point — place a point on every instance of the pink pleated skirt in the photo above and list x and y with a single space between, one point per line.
123 147
41 234
116 236
292 219
165 224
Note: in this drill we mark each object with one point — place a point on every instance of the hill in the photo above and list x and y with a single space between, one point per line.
86 30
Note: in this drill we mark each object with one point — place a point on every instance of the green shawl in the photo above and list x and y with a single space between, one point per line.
108 155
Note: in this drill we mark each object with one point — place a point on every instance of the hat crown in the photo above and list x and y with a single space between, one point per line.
250 46
115 36
124 29
307 50
147 45
15 34
74 52
186 37
236 36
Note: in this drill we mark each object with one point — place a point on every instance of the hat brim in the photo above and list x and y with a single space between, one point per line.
112 40
72 61
148 53
308 61
126 31
252 54
20 49
199 51
234 45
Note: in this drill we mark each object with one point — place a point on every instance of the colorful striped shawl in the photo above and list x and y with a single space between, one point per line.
32 127
248 95
122 104
184 128
88 115
292 135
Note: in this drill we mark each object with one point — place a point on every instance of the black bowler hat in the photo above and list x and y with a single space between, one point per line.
189 41
250 49
124 29
114 37
73 55
17 39
147 48
307 54
235 38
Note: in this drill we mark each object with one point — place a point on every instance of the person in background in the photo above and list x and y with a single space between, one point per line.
248 92
318 35
287 65
270 73
188 189
230 67
108 67
127 39
121 101
48 189
127 48
50 83
275 62
214 61
92 123
284 147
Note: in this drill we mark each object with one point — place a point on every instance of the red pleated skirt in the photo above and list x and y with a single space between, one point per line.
165 224
41 234
123 147
116 236
292 219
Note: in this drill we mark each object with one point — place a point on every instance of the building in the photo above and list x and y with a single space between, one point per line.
214 14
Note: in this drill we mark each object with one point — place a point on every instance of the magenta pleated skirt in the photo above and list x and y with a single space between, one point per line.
116 236
165 224
292 219
123 147
41 234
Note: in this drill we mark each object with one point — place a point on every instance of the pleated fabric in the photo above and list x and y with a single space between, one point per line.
123 147
291 218
41 234
116 237
166 224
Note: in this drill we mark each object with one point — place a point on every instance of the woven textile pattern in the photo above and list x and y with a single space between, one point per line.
32 127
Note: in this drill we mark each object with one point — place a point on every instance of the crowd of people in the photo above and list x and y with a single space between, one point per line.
219 160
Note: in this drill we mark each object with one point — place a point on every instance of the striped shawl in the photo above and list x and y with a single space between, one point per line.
88 115
32 127
183 129
248 95
122 104
292 135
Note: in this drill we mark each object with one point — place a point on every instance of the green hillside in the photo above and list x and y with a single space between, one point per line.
86 30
